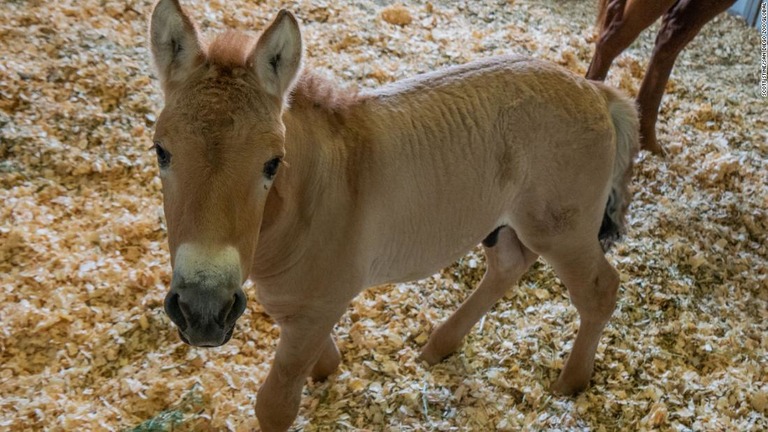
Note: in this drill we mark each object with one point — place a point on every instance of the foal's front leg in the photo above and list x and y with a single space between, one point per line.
305 342
328 362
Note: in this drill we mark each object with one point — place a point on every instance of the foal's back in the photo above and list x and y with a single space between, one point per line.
458 152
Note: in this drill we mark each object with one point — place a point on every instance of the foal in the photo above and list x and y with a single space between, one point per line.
620 22
272 174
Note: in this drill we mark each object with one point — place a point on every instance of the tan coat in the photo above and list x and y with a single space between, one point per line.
383 186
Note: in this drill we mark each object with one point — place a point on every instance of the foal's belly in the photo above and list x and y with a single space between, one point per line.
416 268
406 254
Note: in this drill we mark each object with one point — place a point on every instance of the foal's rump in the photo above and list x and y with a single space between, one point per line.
582 137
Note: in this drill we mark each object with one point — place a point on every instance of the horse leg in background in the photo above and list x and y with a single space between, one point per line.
620 24
507 259
679 26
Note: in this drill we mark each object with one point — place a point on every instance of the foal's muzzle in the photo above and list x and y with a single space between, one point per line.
205 316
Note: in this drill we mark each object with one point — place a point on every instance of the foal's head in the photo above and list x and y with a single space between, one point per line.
219 142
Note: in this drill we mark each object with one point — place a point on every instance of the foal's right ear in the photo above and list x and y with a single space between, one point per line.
174 42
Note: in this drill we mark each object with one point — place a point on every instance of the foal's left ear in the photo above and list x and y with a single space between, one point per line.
276 57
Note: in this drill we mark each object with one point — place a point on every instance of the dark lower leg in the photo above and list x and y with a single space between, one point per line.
649 99
679 27
623 24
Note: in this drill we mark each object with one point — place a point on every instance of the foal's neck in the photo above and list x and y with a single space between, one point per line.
322 125
322 134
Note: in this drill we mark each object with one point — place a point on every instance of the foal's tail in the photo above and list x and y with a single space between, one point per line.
627 126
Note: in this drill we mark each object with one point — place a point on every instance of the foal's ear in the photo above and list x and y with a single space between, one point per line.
174 42
276 57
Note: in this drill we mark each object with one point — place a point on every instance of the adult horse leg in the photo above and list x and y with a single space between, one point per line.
621 23
507 259
304 340
679 26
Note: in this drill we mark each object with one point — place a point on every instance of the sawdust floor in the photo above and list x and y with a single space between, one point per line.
85 344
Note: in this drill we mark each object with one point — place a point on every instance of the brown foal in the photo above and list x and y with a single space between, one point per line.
315 193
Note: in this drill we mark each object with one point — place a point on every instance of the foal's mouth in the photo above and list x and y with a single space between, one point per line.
227 337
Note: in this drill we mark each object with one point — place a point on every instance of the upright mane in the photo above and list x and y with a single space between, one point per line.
315 90
231 48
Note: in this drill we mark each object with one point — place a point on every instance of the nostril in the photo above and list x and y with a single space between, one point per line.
237 309
221 319
173 309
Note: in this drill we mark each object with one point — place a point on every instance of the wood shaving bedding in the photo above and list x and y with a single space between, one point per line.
84 265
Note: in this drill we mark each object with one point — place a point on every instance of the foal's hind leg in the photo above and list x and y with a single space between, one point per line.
593 285
507 260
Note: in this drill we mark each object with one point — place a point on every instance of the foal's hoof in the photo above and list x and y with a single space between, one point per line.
318 377
433 352
430 356
565 388
325 367
441 344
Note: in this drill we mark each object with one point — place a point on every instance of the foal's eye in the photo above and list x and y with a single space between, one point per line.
163 157
270 168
